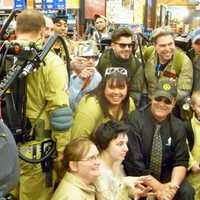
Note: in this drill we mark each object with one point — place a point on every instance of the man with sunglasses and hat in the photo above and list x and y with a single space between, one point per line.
121 55
84 77
157 146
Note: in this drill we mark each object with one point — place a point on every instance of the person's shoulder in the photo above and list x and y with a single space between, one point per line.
136 115
176 119
9 170
89 103
51 56
148 52
180 55
107 52
53 63
178 125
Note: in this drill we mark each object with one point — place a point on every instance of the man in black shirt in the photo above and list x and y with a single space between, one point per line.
169 183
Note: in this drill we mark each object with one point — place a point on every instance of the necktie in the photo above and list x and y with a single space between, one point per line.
156 153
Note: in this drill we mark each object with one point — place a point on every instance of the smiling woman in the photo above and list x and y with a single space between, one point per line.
81 167
109 101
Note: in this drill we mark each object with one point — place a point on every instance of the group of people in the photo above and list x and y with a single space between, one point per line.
108 147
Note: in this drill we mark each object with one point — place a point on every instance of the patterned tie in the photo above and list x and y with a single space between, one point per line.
156 153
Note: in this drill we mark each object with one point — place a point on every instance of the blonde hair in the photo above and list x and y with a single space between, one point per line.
75 151
30 21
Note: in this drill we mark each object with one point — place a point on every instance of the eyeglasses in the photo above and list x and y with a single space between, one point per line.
120 70
124 45
91 158
90 57
163 99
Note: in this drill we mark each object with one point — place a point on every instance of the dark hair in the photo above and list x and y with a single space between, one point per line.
30 21
99 93
60 15
121 32
108 131
57 19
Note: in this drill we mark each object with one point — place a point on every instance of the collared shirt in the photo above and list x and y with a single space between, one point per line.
173 135
72 187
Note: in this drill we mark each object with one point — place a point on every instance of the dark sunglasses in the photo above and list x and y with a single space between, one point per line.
123 45
163 99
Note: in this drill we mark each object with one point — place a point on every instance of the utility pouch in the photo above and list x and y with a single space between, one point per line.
47 165
39 132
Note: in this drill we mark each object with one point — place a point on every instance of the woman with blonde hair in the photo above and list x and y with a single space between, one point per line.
81 168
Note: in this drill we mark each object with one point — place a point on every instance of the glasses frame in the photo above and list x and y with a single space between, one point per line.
91 158
124 45
91 57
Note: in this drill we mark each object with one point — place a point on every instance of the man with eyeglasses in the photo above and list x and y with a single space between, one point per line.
165 61
84 77
156 126
121 55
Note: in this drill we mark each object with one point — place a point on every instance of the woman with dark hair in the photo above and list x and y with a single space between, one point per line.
80 168
111 140
109 101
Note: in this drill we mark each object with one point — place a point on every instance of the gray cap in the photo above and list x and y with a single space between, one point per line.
195 35
9 167
165 88
87 48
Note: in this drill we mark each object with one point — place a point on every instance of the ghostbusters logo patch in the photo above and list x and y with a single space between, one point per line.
166 86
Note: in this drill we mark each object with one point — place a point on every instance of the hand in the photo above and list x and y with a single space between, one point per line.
166 192
131 181
79 63
195 168
87 72
146 191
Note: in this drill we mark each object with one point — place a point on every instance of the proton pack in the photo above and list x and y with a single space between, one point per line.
16 62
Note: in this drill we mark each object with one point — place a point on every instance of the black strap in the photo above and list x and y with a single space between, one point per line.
190 134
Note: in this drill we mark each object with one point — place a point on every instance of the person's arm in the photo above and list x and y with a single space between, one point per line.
134 161
185 79
137 81
95 79
180 162
162 190
178 174
87 117
57 99
170 189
